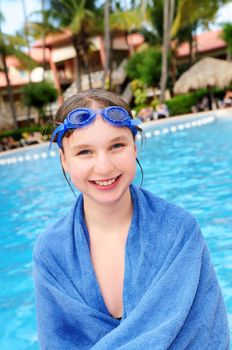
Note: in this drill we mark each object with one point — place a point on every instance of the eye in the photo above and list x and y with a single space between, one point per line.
117 145
84 152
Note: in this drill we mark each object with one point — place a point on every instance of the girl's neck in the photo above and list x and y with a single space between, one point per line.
108 219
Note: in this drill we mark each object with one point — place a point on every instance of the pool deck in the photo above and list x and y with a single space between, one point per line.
219 113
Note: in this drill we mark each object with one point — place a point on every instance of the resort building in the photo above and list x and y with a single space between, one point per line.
57 55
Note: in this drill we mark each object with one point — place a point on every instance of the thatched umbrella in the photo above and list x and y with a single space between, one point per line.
207 73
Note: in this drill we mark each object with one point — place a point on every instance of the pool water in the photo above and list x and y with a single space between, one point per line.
191 167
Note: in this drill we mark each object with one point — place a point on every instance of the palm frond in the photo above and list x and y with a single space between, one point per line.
11 45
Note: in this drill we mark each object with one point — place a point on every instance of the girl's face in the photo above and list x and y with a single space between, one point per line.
101 161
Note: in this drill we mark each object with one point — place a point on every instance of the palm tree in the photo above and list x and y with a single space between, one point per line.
107 42
44 27
11 45
28 47
197 12
39 29
168 14
227 36
189 15
126 22
79 18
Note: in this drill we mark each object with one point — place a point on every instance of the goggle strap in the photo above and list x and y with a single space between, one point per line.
58 131
61 129
135 121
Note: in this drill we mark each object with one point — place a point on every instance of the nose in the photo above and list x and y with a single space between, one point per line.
103 164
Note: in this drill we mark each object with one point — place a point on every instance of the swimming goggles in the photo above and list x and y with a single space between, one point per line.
81 117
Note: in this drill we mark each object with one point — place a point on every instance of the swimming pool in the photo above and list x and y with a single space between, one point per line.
190 165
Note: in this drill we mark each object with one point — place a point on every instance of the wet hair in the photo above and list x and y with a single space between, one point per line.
87 99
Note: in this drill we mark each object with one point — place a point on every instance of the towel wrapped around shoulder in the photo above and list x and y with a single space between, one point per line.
171 297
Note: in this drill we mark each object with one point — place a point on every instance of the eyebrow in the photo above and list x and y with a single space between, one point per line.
115 139
119 138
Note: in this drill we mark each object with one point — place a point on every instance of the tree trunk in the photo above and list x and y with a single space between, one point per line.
143 7
171 15
28 50
43 39
173 70
164 51
190 51
89 77
87 68
107 44
172 58
168 14
195 57
78 72
130 47
110 62
10 92
211 97
77 62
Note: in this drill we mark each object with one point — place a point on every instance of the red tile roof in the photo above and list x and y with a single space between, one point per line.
206 41
134 39
56 38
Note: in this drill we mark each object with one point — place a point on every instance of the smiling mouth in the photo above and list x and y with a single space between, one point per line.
106 182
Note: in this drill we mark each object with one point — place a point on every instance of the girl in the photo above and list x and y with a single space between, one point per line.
124 269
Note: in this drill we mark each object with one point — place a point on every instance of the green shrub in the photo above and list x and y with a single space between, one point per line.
145 66
38 95
182 104
17 133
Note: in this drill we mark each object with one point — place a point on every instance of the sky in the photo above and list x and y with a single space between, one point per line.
13 13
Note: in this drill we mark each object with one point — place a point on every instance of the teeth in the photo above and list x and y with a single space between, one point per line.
106 183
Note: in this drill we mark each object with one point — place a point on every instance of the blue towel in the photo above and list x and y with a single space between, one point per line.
171 297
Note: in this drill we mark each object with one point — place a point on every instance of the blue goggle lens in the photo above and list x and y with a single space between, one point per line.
79 117
118 115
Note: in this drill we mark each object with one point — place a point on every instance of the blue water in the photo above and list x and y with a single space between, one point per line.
191 168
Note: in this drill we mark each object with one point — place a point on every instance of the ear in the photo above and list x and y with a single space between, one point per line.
63 160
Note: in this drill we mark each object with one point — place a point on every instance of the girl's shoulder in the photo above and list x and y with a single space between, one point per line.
160 207
159 214
57 235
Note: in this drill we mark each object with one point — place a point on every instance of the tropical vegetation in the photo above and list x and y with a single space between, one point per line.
160 21
227 36
145 66
12 45
39 95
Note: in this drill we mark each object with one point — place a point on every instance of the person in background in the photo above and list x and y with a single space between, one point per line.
162 111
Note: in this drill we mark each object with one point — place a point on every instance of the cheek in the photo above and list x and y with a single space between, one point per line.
78 171
128 161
